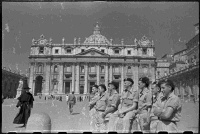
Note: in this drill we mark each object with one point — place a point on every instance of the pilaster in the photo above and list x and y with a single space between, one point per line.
98 74
47 79
106 75
110 73
73 78
135 76
77 78
122 78
86 78
31 77
60 87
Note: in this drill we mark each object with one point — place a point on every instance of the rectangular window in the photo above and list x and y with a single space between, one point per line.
67 69
144 51
82 50
102 50
56 51
102 77
102 69
41 50
82 77
92 69
82 69
69 51
116 69
116 51
129 52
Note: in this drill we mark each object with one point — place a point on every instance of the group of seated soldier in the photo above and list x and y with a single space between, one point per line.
148 109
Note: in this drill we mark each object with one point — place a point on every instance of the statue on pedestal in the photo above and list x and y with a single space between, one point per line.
19 89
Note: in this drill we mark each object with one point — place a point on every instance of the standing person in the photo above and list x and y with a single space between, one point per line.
144 105
93 99
170 114
129 100
100 109
156 96
113 101
25 103
71 102
67 97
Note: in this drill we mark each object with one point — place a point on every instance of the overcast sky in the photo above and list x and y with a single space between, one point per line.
169 24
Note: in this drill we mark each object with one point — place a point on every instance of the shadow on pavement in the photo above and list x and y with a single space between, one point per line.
75 113
20 126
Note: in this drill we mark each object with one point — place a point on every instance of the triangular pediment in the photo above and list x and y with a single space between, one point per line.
93 52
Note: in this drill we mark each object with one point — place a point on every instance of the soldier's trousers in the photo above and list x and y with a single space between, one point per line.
170 127
99 122
126 122
92 122
153 125
71 107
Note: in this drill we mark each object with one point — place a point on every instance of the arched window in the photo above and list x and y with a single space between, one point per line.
40 69
129 69
55 69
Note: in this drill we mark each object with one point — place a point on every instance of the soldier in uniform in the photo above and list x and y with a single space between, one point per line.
144 104
100 109
156 96
93 99
170 113
112 102
71 102
129 99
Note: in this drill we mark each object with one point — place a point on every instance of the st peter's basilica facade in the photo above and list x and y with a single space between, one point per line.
63 68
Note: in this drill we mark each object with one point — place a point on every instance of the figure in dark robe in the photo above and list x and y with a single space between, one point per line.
25 103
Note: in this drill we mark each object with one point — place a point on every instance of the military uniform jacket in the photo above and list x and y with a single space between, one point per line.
128 98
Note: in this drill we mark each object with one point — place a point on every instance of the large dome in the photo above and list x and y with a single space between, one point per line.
96 38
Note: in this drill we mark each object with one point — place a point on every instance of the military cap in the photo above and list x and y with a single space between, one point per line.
129 79
114 84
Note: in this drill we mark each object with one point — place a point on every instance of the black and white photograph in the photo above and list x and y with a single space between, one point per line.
100 66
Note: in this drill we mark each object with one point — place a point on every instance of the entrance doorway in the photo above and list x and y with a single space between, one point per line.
91 84
67 87
81 89
38 85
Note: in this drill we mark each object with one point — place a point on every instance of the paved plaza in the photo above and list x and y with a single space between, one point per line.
62 121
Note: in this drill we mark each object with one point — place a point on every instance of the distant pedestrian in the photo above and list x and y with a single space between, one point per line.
67 97
25 103
71 101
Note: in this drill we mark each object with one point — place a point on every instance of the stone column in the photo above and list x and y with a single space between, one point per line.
86 79
111 73
73 78
31 77
122 78
47 79
152 72
135 76
98 74
77 78
106 75
60 86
